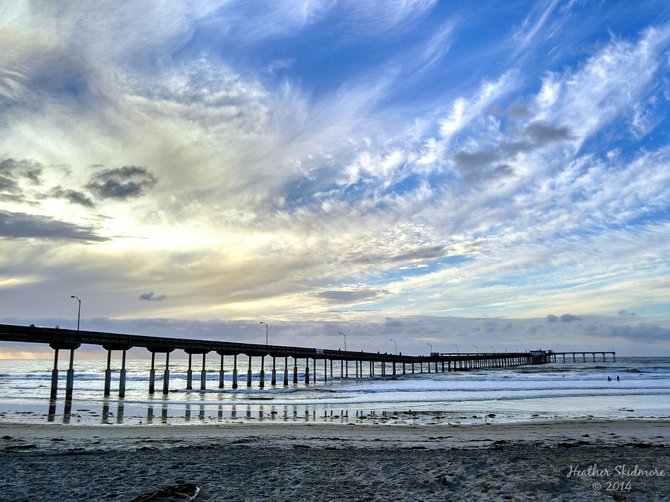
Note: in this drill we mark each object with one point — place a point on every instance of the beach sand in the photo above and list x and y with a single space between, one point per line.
572 460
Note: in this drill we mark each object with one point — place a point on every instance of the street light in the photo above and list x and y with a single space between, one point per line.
492 348
345 340
476 348
454 345
431 347
78 310
266 332
505 347
396 345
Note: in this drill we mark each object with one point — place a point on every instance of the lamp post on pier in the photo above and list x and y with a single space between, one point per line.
345 340
78 310
431 347
476 348
266 332
454 345
395 344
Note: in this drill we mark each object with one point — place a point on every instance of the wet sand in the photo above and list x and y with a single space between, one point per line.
576 460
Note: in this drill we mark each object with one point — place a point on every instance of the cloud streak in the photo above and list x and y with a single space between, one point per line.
27 226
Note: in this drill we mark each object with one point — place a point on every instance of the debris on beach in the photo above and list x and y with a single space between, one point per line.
184 491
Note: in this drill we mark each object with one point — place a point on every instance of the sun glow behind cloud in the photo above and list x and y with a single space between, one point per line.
334 160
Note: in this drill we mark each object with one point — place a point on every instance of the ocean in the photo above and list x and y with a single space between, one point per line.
555 391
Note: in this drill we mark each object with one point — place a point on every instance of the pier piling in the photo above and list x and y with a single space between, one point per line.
203 373
261 383
286 371
235 371
221 373
122 375
166 374
152 374
189 373
54 377
108 375
69 382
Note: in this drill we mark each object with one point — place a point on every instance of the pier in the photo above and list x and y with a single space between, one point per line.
316 364
592 356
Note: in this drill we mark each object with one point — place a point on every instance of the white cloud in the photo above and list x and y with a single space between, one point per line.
463 110
606 86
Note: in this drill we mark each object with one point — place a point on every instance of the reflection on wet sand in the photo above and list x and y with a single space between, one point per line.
51 415
131 413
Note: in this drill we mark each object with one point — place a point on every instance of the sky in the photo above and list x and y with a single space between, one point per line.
442 172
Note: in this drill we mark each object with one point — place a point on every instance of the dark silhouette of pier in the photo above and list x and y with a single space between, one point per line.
323 361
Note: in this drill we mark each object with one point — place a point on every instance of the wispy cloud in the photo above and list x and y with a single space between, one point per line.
533 25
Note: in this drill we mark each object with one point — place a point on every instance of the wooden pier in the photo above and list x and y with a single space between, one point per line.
323 361
555 355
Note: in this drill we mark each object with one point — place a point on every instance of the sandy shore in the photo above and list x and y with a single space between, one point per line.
591 460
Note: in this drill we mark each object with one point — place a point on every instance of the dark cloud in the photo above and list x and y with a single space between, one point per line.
14 169
469 160
424 253
484 165
543 133
640 332
122 183
569 318
420 253
563 318
389 322
151 297
11 171
351 296
503 170
625 313
7 184
73 196
518 111
476 165
28 226
514 147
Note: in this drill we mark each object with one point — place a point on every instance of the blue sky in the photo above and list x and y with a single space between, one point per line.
339 162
